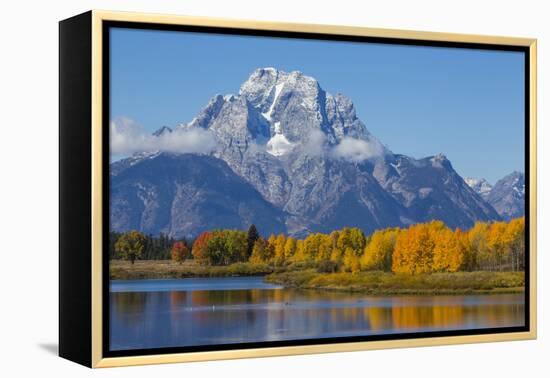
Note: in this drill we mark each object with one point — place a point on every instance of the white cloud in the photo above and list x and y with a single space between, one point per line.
315 144
357 150
128 137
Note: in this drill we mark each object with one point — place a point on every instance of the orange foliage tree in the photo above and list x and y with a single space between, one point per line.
200 246
180 252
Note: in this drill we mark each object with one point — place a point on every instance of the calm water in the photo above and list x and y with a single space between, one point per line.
205 311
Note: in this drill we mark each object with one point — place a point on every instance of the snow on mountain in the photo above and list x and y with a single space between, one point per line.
306 152
278 145
508 196
480 186
163 130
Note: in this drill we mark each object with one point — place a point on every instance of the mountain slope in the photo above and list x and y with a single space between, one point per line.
430 189
183 195
480 186
308 155
508 196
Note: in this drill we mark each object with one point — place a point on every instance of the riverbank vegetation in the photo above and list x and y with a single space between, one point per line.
384 283
421 257
421 248
149 269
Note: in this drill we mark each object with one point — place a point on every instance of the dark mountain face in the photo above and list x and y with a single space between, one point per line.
508 196
306 160
431 189
183 195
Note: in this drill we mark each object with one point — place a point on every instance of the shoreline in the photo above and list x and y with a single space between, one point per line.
374 283
166 269
385 283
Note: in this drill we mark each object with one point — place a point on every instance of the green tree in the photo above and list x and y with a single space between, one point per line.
130 245
225 247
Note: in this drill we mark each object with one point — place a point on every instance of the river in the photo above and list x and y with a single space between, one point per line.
209 311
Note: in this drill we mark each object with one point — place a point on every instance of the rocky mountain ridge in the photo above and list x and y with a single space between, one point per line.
307 154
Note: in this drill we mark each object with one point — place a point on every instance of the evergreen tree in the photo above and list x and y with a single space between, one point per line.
253 235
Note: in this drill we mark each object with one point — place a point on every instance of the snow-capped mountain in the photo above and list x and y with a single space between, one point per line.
185 194
480 186
162 130
307 154
508 196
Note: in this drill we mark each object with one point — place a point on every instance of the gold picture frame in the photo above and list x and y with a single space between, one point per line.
91 24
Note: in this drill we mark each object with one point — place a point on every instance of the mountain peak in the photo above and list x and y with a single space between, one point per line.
263 84
480 186
508 195
440 161
162 130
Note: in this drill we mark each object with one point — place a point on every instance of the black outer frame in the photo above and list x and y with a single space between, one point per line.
75 83
75 189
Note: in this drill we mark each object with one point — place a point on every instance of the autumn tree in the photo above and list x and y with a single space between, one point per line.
299 255
449 251
311 246
290 248
262 252
130 245
279 248
180 252
496 242
515 238
414 248
421 248
352 238
351 261
378 252
199 249
225 247
478 256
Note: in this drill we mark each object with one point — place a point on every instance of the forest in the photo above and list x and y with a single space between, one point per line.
419 249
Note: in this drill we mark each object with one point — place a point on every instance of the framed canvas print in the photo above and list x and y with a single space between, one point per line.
236 189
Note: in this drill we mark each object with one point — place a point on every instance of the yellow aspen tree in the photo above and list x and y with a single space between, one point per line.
496 243
325 248
299 253
413 251
479 257
515 240
448 254
351 261
377 254
290 248
279 245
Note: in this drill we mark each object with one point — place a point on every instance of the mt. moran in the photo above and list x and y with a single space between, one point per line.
291 158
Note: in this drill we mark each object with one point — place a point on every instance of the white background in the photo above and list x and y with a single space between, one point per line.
29 186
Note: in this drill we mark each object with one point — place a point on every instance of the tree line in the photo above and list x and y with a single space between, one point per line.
139 245
421 248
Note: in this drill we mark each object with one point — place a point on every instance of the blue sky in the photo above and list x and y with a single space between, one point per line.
419 101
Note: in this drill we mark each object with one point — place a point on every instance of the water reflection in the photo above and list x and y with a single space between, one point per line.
154 319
